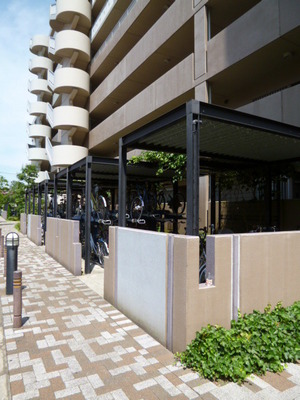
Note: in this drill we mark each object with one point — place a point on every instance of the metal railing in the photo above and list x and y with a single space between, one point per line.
109 5
49 115
115 28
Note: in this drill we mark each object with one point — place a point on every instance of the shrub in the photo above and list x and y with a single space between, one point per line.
256 343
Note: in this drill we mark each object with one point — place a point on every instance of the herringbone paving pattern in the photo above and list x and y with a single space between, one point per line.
75 345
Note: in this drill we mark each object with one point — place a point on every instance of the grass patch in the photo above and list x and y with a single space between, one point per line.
256 343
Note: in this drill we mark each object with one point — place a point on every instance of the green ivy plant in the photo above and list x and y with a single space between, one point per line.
256 343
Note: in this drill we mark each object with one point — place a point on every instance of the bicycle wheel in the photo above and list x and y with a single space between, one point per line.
136 208
100 252
202 269
161 201
102 207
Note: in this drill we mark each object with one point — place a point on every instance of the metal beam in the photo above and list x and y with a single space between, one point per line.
33 200
160 123
212 203
39 200
69 194
192 184
122 182
29 202
88 189
55 197
246 120
26 201
45 210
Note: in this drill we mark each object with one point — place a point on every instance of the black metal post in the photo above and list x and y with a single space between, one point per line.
278 202
268 198
29 202
122 182
33 200
88 189
175 206
220 203
45 210
69 194
212 202
55 197
26 201
193 169
39 200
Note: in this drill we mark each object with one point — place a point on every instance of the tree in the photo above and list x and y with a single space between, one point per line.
16 195
164 162
4 187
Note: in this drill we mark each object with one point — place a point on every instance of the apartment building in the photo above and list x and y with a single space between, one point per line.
111 66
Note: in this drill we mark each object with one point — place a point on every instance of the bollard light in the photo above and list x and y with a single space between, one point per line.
11 245
12 239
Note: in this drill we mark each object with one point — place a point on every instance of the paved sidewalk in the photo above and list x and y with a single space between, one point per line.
75 345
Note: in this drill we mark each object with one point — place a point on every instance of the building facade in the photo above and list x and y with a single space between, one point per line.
111 66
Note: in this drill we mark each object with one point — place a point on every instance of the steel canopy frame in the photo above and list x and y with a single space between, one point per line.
195 113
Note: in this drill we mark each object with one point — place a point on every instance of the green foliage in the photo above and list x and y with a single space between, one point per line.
164 162
256 343
18 226
14 195
3 191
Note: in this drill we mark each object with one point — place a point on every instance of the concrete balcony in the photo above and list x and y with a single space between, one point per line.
67 43
64 155
37 108
64 13
39 44
42 176
37 131
68 117
68 79
40 86
107 19
266 38
37 154
38 65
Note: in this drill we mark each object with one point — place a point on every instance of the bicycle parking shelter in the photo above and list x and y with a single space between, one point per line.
79 177
213 138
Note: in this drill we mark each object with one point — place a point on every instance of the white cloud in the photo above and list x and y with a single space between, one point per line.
19 21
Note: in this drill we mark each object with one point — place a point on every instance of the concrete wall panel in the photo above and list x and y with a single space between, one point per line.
34 231
62 243
141 279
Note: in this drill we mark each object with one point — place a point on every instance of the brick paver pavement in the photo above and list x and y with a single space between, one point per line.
75 345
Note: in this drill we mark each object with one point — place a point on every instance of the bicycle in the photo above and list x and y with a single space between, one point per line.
202 255
176 202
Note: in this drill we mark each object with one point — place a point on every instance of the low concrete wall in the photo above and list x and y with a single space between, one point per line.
62 243
153 279
34 229
23 223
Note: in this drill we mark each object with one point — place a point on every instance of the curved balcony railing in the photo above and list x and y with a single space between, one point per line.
37 131
40 64
37 108
65 78
64 155
64 11
37 154
39 86
68 117
39 43
67 42
42 176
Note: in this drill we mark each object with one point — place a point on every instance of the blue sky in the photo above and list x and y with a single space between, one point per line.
19 21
